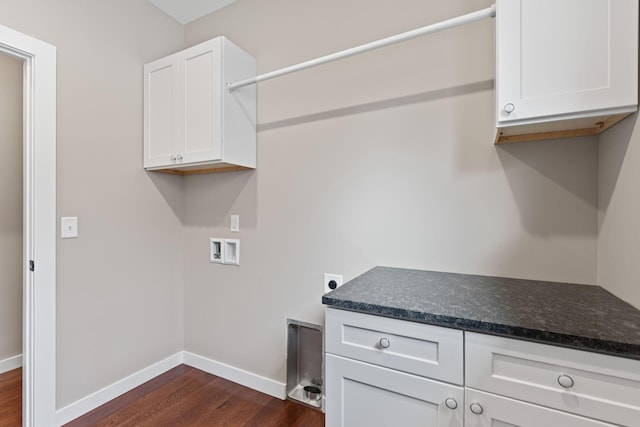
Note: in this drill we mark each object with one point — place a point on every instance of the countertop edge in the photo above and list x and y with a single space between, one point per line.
592 345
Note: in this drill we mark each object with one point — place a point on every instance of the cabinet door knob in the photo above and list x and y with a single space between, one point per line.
385 343
451 403
509 108
476 408
565 381
173 158
179 156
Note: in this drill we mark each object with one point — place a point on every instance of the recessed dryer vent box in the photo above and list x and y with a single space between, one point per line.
305 363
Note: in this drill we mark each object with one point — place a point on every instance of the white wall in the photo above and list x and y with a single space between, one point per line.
119 298
619 211
381 159
10 207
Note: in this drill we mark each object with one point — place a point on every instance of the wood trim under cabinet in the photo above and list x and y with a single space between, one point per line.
201 171
599 127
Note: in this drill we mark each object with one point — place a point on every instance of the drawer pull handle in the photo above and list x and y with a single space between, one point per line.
451 403
476 408
173 158
508 109
385 343
565 381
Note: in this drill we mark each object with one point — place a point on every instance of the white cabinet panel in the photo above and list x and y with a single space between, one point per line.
431 351
488 410
361 394
202 90
548 60
565 62
161 111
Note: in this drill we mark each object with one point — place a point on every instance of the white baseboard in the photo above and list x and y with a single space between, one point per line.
10 364
100 397
247 379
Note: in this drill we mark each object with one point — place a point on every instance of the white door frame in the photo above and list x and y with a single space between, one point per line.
39 182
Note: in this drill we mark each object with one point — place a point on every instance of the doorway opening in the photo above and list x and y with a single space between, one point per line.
38 262
11 238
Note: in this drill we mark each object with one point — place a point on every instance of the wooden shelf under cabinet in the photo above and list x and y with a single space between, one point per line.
586 126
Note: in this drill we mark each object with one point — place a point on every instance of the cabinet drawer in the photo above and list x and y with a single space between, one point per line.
500 411
361 394
416 348
595 385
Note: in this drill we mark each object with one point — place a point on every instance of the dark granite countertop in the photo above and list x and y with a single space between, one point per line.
577 316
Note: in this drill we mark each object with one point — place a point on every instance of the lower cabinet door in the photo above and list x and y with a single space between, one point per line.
485 409
360 394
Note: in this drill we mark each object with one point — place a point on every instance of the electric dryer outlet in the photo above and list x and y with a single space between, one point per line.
332 281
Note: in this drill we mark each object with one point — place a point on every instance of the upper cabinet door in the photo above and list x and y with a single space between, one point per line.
161 111
201 119
565 57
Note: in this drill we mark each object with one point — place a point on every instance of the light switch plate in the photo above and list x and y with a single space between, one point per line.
69 227
235 223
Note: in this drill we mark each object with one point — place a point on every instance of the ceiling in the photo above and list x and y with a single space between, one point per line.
185 11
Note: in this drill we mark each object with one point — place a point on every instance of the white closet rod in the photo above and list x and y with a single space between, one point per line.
489 12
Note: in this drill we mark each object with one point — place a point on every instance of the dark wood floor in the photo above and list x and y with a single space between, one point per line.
183 396
186 396
11 398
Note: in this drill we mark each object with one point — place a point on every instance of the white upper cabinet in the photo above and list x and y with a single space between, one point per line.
192 123
564 67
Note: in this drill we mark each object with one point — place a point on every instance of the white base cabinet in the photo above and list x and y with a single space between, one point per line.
582 383
384 372
564 67
362 394
191 121
389 372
